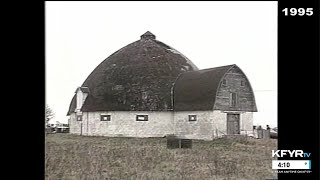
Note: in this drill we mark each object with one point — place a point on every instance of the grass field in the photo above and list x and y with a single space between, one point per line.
72 157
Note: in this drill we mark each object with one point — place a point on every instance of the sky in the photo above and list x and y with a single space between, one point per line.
79 35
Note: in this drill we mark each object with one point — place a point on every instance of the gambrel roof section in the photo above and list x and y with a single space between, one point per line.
197 90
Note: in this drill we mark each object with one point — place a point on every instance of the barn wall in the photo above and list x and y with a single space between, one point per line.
209 124
246 123
199 129
75 126
123 123
245 96
219 123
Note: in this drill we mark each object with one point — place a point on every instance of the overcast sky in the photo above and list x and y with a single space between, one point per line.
80 35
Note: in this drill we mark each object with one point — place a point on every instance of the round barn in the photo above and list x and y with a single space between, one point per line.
149 89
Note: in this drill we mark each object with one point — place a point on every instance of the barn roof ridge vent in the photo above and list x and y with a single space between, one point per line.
148 35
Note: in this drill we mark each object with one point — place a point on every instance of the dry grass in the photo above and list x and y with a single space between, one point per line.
71 157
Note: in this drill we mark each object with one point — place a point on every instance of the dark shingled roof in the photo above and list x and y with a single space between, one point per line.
138 77
197 90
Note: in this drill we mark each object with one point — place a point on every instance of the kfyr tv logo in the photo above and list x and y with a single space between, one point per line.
290 153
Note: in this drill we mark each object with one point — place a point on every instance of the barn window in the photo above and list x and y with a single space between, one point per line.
142 118
192 117
79 117
105 117
233 100
242 83
224 81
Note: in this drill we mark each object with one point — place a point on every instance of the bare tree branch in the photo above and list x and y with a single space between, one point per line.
49 114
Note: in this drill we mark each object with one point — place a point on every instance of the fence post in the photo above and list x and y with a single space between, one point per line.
81 129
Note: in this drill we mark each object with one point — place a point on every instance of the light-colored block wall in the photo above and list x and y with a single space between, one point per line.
219 123
74 125
123 123
199 129
246 123
209 124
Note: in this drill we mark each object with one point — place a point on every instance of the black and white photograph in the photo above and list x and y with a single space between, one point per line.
161 90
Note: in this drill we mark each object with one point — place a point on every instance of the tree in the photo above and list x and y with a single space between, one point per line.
49 114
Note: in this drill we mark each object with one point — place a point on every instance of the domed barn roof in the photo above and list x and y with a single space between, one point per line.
138 77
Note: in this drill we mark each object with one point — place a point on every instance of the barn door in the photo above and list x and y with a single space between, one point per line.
233 123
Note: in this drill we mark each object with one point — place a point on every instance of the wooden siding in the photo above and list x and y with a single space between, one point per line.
244 99
233 123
